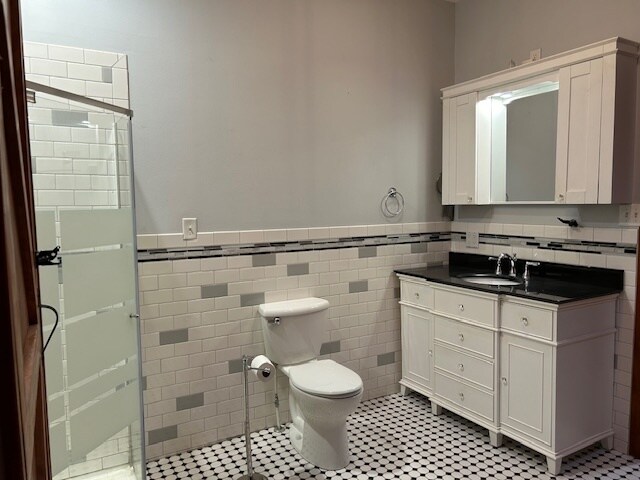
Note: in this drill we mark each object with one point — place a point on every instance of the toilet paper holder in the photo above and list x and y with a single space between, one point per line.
267 372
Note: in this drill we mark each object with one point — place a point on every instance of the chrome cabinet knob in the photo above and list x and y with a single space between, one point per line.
461 367
469 199
431 353
461 396
417 295
504 380
461 337
461 307
525 321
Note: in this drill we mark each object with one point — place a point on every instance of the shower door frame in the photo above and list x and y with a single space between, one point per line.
38 87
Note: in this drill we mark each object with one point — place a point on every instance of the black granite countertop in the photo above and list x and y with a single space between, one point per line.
550 282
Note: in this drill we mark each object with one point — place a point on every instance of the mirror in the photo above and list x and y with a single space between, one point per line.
523 126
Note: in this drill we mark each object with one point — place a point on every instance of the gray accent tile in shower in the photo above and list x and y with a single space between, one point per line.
249 299
107 75
235 365
264 260
418 248
162 434
66 118
212 291
330 347
190 401
359 286
297 269
174 336
386 358
367 252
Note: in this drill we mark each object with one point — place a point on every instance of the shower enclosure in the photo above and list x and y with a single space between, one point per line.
82 177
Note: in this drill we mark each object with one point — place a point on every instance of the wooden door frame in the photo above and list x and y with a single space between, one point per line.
24 439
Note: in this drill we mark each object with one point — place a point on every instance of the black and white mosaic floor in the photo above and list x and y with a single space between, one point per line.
395 437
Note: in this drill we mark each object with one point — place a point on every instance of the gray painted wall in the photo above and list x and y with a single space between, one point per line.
489 33
266 114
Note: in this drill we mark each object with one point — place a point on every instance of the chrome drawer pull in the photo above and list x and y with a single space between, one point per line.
431 353
461 367
525 321
417 295
461 396
461 307
461 337
504 380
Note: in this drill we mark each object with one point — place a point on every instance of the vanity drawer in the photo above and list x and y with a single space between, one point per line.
527 319
465 396
459 364
468 307
419 294
463 335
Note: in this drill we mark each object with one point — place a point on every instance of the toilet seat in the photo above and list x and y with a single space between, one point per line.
324 378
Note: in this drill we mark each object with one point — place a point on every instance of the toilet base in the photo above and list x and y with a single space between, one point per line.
326 448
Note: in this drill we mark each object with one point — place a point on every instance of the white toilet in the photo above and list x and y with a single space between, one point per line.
323 393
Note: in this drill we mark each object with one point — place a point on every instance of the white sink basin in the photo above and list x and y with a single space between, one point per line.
488 279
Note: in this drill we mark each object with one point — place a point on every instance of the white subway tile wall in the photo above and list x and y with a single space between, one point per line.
199 316
626 303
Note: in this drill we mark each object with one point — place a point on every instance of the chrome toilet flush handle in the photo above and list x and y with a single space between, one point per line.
275 321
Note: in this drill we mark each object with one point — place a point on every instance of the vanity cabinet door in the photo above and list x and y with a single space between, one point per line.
459 150
526 387
417 346
578 141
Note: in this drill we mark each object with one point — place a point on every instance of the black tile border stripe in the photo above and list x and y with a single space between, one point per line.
160 254
543 243
584 246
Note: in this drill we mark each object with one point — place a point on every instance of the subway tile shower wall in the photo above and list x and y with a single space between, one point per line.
199 316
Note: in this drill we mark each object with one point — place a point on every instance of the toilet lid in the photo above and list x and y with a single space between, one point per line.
325 378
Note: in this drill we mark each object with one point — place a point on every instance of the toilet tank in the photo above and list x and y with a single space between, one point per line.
300 332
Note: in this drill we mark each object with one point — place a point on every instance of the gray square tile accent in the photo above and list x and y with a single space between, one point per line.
235 365
264 260
190 401
107 75
66 118
330 347
249 299
297 269
359 286
174 336
162 434
212 291
418 248
366 252
386 358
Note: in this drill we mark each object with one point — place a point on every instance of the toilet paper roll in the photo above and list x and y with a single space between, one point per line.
262 368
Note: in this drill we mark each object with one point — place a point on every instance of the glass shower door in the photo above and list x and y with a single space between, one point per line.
82 188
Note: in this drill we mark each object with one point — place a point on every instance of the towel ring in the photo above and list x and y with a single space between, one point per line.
384 205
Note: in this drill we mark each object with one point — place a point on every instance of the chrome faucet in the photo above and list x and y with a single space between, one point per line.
512 259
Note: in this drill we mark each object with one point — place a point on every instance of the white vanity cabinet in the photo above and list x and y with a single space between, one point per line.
540 373
505 129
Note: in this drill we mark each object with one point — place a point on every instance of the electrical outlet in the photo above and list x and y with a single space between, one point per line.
634 216
189 228
625 214
534 55
473 240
